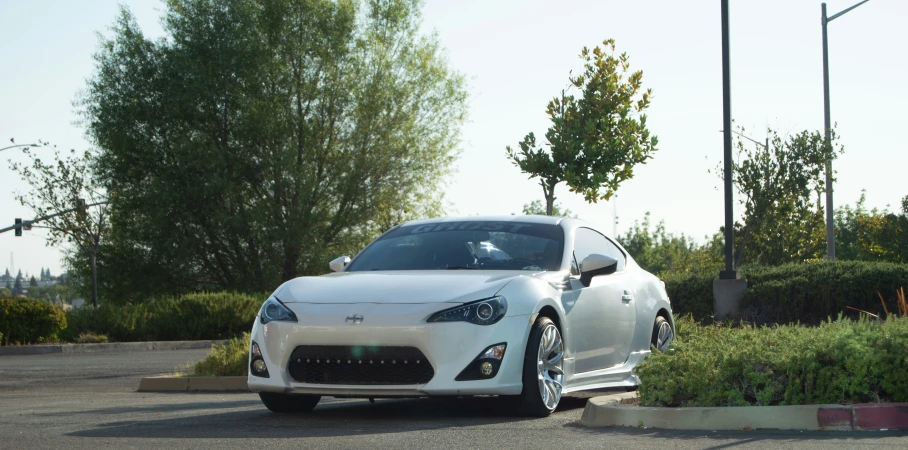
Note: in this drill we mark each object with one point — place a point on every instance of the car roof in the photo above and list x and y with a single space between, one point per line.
566 222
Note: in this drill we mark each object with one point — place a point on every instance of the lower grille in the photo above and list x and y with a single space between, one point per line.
344 364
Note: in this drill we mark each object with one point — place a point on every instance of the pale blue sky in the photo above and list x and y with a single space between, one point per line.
516 55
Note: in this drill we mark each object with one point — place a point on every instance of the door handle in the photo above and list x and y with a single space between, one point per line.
627 297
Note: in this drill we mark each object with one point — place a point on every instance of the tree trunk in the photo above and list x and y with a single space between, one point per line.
94 280
549 192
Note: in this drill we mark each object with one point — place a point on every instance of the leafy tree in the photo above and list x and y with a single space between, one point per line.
660 252
17 285
781 222
7 291
535 208
71 201
596 138
6 275
33 282
261 139
872 235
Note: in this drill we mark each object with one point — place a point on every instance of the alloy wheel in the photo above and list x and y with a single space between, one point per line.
549 366
664 336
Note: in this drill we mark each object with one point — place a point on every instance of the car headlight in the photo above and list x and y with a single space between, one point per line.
274 310
482 312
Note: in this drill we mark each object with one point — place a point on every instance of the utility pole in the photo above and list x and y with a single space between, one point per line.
830 224
729 273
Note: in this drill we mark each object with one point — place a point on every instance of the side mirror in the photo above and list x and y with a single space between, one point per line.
338 264
596 264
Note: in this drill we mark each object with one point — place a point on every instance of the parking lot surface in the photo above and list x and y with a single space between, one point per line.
88 401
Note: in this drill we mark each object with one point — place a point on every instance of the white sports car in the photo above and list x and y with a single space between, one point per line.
523 307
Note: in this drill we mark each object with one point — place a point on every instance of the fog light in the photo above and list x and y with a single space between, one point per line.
258 366
486 368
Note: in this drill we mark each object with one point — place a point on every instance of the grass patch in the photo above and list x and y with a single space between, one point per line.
838 362
229 359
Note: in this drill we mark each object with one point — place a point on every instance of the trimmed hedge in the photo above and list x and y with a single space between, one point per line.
690 293
797 292
189 317
837 362
29 321
812 292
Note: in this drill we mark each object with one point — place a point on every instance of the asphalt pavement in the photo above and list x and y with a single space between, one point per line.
76 401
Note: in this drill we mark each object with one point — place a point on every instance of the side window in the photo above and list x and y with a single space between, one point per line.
587 241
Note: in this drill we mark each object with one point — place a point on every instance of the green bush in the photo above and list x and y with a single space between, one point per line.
29 321
812 292
797 292
836 362
189 317
226 360
91 338
691 293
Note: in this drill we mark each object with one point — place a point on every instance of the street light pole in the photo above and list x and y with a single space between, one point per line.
830 225
18 145
729 273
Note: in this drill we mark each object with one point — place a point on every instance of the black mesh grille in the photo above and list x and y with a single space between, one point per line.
343 364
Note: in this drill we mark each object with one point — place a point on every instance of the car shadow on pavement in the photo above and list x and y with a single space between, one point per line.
751 437
332 418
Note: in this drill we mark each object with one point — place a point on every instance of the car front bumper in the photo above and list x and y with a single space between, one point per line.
448 346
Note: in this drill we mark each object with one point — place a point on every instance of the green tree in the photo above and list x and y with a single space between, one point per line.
72 202
781 221
17 285
536 208
261 139
872 235
659 251
596 138
33 282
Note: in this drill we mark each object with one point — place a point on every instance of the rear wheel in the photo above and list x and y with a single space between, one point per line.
543 370
662 334
289 403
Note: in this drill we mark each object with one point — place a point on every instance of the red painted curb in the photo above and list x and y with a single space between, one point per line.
878 416
834 417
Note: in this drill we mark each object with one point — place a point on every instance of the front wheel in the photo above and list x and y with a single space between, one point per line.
288 403
543 370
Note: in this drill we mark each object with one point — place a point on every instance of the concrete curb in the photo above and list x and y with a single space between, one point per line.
110 347
607 411
188 384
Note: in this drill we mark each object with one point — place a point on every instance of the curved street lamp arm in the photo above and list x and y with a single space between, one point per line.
836 15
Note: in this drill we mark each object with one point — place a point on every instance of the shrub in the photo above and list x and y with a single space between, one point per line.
27 321
691 293
91 338
836 362
230 359
798 292
219 315
813 292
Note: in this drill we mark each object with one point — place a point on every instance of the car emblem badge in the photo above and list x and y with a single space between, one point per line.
354 319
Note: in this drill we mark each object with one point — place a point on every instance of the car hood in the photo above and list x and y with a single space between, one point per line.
397 286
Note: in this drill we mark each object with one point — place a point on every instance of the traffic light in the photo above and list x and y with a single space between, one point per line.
19 229
80 208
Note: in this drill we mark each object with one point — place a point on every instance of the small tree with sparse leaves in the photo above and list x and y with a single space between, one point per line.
597 137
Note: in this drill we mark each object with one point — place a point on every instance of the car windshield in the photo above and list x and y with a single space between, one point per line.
477 245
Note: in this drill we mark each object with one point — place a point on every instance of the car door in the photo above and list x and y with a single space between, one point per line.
603 315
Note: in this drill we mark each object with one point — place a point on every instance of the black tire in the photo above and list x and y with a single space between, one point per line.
288 403
529 402
656 326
